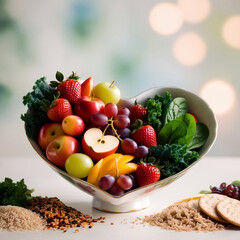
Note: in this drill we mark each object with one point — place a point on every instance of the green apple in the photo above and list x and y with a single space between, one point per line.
78 165
107 92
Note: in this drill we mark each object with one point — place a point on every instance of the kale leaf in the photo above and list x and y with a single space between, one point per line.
157 109
36 117
172 158
15 194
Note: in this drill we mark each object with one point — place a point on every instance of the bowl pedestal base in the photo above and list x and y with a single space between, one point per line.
132 206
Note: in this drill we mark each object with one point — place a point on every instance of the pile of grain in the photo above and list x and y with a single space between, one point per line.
59 216
181 217
14 218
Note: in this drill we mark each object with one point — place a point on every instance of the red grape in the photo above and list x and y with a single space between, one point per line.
230 190
124 132
216 190
129 146
109 131
132 176
106 182
121 121
223 185
141 152
125 182
99 119
230 187
116 190
124 111
111 110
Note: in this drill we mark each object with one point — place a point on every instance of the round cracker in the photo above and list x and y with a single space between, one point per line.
194 204
229 209
208 205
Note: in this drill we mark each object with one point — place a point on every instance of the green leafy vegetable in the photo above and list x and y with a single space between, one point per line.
177 107
15 194
172 158
36 117
236 182
172 132
157 109
189 120
200 136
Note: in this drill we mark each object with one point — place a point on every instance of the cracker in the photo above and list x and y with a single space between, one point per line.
194 204
229 209
208 205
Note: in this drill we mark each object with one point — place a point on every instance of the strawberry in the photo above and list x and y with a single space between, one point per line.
144 135
58 109
147 174
138 112
69 89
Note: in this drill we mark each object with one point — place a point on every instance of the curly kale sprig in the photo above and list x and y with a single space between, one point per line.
36 117
15 194
172 158
157 110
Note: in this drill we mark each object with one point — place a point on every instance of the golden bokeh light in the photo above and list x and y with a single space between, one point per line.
194 11
231 31
165 18
219 94
189 49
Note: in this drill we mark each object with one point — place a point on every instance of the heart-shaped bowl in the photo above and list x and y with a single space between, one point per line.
138 198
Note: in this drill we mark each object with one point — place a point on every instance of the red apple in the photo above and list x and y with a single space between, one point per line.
98 146
61 148
86 106
48 132
86 87
73 125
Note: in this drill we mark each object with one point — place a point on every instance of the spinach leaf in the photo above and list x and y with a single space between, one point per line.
200 136
189 120
178 107
172 132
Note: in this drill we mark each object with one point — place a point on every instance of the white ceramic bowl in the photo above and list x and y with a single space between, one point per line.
138 199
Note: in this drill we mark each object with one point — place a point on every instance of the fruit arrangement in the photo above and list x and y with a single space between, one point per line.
82 130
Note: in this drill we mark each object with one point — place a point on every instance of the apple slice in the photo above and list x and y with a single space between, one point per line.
98 146
86 87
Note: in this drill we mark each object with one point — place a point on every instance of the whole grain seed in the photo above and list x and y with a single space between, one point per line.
13 218
59 216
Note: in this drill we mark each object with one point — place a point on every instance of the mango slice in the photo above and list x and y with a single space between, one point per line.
114 164
124 169
92 176
111 165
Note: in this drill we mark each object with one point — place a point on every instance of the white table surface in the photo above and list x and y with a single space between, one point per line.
38 175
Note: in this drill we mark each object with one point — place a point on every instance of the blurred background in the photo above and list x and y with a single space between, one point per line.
192 44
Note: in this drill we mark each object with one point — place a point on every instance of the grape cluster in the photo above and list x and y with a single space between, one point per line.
119 120
118 186
230 190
